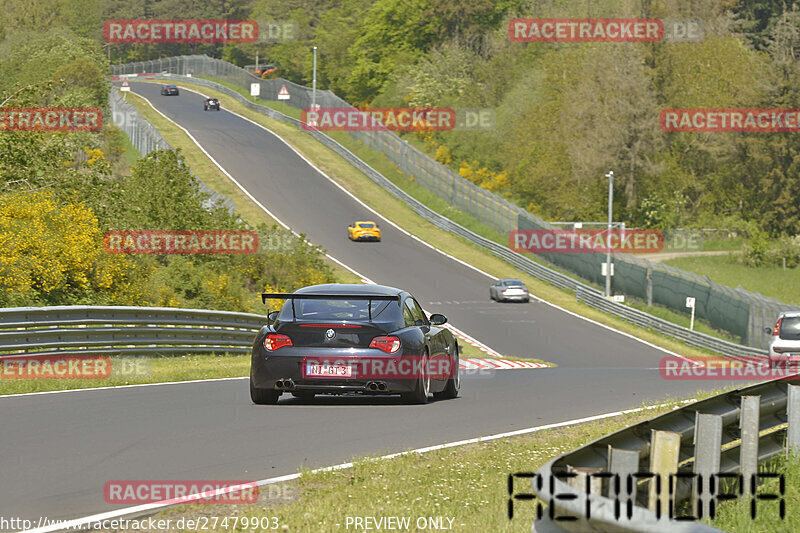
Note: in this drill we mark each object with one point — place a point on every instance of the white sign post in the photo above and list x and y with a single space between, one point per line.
312 121
125 86
255 89
283 94
690 303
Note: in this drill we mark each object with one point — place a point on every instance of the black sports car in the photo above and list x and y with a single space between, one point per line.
169 90
210 103
341 338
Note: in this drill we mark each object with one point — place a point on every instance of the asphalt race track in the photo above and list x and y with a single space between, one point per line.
58 450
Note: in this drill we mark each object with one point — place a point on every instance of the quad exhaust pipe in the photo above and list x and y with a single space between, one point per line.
285 384
377 386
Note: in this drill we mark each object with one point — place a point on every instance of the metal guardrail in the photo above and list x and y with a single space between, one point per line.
110 330
726 434
584 293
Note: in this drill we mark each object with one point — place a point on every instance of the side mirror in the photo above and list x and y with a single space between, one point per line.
272 316
437 319
768 330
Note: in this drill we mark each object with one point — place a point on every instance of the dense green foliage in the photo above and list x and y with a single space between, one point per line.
60 192
566 113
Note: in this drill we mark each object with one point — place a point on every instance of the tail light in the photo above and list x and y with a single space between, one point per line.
386 343
273 341
777 329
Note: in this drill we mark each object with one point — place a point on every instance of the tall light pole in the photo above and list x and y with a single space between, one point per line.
314 85
610 177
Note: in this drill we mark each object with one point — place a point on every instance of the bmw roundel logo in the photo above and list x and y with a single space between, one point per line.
330 334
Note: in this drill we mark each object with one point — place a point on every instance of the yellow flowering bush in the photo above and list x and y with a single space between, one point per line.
49 252
492 181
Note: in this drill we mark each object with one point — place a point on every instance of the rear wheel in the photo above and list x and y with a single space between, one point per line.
453 384
263 396
420 393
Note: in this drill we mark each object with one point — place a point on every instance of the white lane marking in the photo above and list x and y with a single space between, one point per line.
473 341
120 387
82 522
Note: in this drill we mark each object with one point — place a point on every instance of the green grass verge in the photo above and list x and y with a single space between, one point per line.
128 370
397 211
735 515
131 154
682 320
725 270
466 483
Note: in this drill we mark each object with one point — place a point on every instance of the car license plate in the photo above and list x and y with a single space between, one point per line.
328 370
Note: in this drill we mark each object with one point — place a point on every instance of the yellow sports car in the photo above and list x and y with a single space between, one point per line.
364 231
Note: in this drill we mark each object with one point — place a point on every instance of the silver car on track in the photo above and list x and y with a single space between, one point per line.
505 290
784 345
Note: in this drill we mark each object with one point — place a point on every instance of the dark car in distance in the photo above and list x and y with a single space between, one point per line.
210 103
169 90
348 338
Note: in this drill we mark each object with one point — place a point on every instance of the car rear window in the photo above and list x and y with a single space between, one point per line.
790 328
512 283
382 310
366 225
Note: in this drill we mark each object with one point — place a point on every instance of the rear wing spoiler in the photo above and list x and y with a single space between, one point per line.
293 296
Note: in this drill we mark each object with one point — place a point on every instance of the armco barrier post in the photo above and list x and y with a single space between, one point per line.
583 477
664 452
622 463
748 451
793 418
707 443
